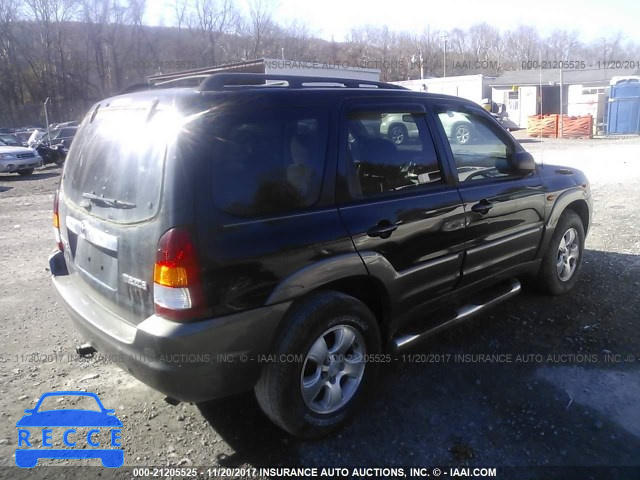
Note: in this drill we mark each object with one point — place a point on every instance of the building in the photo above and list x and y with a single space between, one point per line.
472 87
282 67
573 92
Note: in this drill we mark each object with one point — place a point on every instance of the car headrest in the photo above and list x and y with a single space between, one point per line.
302 148
378 151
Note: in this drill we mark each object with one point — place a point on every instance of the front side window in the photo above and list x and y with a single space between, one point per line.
389 151
478 150
266 161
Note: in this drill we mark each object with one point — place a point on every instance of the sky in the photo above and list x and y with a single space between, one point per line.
592 19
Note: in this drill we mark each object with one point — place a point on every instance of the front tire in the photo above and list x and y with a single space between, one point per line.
461 133
561 262
26 173
326 376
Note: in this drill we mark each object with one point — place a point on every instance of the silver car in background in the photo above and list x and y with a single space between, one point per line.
19 160
400 128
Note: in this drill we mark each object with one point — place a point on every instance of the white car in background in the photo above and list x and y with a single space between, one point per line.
19 160
400 128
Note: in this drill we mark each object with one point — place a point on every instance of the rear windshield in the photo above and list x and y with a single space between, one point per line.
119 157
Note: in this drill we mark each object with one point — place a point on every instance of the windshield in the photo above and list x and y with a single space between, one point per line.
118 180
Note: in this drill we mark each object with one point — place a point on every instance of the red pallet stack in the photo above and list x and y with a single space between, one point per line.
543 125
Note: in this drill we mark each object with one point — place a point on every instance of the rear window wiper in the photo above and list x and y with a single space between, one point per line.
110 202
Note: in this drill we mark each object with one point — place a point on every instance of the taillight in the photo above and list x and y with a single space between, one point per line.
177 282
56 222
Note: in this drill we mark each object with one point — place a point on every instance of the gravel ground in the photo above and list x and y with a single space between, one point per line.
569 395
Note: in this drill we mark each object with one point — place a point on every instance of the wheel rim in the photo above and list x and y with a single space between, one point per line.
462 134
333 369
397 135
568 254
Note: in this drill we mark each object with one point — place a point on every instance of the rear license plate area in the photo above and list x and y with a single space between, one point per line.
98 263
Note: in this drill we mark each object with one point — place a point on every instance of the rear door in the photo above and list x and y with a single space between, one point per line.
397 201
111 207
504 211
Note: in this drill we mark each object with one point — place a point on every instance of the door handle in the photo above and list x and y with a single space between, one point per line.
384 229
482 207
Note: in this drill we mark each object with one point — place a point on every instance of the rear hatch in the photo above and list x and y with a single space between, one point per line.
111 214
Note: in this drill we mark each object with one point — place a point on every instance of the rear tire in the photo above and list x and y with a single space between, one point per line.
398 134
26 173
561 262
330 334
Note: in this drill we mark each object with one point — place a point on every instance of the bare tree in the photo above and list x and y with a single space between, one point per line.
79 51
260 13
208 22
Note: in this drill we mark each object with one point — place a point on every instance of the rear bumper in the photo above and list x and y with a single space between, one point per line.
188 361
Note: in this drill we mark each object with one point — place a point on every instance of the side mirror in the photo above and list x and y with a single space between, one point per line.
522 162
408 118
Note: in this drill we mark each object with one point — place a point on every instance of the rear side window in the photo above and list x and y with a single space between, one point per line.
266 161
119 157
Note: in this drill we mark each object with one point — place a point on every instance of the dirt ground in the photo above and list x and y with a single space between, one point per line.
568 396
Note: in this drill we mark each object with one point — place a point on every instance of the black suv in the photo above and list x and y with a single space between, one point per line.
263 232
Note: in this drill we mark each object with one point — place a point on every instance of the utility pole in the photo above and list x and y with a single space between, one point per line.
46 118
561 105
444 63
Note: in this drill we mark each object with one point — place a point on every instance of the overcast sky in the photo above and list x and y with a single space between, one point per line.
592 19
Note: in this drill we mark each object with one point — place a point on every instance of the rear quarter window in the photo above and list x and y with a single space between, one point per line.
265 161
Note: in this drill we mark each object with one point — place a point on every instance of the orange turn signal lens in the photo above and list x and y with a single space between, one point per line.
170 276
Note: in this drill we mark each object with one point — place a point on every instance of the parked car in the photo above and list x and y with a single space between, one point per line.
400 129
18 160
63 135
10 139
270 236
35 137
72 123
23 138
52 153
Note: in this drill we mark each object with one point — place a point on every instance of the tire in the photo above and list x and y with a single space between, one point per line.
398 134
59 161
332 318
461 133
26 173
561 262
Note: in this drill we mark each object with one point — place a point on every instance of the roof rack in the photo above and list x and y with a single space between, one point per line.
220 81
186 79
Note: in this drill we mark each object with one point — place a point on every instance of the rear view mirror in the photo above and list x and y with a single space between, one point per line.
522 162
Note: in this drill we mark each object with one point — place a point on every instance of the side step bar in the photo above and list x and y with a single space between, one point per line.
465 312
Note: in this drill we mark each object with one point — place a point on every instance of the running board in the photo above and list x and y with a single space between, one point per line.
508 290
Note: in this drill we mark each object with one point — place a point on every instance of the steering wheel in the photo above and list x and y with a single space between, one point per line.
486 173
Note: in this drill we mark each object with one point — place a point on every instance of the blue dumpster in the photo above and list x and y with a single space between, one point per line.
623 111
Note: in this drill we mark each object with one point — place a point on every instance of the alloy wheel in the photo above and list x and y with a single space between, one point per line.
568 254
333 369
